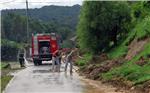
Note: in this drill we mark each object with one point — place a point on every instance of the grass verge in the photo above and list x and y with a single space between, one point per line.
5 77
4 81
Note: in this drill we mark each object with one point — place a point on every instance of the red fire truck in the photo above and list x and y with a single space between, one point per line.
43 46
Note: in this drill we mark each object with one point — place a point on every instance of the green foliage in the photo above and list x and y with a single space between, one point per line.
13 27
66 16
101 23
67 44
118 51
141 30
13 23
59 19
140 10
86 58
131 71
5 42
3 65
5 78
9 49
4 81
14 31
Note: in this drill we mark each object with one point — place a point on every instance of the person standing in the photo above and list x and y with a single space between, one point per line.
53 62
69 60
21 59
56 61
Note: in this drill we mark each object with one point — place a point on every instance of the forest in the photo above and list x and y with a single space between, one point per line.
59 19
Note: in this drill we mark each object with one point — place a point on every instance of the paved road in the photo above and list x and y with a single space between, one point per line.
39 79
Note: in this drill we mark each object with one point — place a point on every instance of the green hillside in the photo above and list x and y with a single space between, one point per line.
125 63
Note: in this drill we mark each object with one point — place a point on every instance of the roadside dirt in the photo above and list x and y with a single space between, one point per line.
95 86
95 67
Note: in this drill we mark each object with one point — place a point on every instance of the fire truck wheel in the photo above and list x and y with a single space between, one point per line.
39 62
35 62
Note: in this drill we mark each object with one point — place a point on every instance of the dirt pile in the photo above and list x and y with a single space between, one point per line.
101 64
135 47
94 70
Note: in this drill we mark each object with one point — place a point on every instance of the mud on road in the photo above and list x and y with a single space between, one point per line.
40 79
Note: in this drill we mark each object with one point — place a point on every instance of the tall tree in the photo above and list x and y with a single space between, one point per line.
101 23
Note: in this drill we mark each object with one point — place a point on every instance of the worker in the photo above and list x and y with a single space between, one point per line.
60 54
63 59
69 60
21 59
56 61
53 62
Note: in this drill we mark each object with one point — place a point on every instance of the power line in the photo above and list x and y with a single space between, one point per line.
38 2
25 2
7 2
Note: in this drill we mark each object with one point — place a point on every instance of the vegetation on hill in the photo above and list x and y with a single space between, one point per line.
126 62
59 19
59 15
102 24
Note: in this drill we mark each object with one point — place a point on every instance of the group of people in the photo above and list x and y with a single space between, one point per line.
58 57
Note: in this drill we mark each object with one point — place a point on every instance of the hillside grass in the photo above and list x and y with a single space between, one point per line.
131 71
141 31
118 51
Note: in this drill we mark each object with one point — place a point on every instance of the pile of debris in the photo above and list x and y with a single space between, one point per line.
100 65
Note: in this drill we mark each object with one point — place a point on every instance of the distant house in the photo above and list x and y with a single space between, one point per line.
73 40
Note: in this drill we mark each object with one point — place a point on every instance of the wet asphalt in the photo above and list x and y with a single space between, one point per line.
40 79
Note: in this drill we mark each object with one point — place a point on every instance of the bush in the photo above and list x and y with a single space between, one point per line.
9 50
86 58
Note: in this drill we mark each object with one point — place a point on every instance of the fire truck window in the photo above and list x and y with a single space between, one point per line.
44 47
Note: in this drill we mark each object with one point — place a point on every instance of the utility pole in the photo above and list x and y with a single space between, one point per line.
27 21
27 47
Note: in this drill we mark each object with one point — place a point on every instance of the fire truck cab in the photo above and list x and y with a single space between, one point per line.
43 46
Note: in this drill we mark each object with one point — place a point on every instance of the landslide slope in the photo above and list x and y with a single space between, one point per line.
135 71
127 65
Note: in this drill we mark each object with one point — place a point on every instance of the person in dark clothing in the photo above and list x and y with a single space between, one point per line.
21 59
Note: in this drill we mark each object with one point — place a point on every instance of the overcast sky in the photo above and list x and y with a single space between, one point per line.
19 4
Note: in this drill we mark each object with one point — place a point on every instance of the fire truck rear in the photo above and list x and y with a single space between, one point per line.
43 46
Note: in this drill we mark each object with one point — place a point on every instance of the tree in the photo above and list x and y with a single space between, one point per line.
101 23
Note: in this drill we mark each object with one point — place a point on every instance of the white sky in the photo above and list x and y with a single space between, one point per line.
19 4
